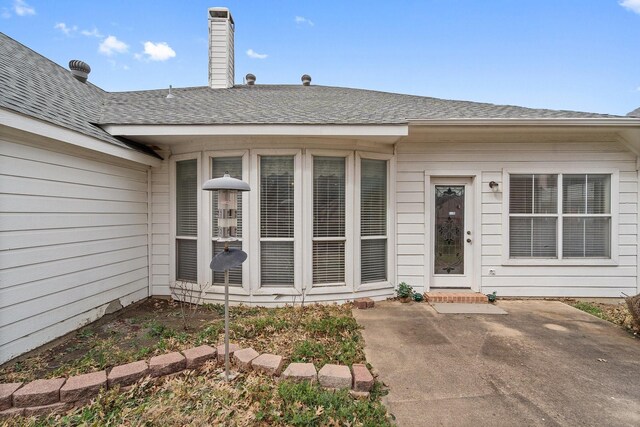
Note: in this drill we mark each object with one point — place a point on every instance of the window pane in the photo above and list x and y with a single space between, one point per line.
187 260
276 263
373 255
586 237
220 166
533 194
598 194
276 196
187 198
328 262
373 198
521 194
545 194
532 237
328 196
573 194
235 274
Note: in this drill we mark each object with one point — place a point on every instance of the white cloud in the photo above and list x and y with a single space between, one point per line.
112 45
21 8
632 5
160 51
253 54
302 20
63 27
92 33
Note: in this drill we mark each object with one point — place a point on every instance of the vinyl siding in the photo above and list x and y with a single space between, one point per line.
73 238
488 159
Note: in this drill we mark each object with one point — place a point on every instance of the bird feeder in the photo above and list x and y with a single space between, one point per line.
227 188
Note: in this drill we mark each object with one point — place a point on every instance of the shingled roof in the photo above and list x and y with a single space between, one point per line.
35 86
297 104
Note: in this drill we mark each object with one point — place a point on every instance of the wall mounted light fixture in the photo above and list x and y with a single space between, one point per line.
493 185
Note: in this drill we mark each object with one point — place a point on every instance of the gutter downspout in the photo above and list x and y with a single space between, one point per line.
149 232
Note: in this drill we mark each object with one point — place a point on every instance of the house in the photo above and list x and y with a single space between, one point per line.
353 192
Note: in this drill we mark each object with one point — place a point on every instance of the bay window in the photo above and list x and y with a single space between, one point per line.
277 208
187 187
329 238
220 166
373 220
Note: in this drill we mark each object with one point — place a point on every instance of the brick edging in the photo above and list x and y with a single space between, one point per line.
56 395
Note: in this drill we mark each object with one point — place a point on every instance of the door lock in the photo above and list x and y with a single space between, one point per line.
468 240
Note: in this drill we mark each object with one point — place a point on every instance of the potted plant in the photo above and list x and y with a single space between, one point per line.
404 292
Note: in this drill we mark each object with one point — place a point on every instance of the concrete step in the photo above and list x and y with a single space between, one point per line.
455 297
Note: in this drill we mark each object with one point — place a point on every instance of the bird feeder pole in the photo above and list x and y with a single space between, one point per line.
227 188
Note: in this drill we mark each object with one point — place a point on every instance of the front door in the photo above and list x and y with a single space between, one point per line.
452 234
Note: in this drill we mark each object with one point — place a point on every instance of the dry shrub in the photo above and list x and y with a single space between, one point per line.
634 308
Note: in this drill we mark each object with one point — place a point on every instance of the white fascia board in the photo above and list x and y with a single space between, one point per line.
48 130
260 130
580 122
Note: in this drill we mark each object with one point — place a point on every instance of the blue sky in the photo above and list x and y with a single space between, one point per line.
562 54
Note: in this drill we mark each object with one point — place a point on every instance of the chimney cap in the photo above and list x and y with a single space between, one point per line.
220 13
250 79
306 80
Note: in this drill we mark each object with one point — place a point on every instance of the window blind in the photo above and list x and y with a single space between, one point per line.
187 198
373 221
583 220
187 220
533 215
277 220
220 166
586 200
328 220
373 197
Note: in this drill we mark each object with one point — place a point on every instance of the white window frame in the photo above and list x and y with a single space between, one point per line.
172 220
391 223
207 213
308 239
254 221
560 171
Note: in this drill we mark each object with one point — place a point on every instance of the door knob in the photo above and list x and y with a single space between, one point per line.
468 240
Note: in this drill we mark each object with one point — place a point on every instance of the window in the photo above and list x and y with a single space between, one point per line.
220 166
329 178
586 205
373 221
276 221
187 220
580 213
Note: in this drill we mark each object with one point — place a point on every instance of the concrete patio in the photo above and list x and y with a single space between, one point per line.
544 363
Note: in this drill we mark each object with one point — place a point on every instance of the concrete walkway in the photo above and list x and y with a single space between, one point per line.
543 364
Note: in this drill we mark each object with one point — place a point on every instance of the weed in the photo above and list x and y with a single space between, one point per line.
589 308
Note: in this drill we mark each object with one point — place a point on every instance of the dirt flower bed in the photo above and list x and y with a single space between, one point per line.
614 313
318 334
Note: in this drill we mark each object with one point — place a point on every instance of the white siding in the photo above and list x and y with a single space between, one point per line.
160 229
488 159
73 238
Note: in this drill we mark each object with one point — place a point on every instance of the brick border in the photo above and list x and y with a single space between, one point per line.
46 396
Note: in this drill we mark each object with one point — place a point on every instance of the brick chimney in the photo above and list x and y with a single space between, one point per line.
221 27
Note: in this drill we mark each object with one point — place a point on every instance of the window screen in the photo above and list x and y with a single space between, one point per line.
187 220
373 221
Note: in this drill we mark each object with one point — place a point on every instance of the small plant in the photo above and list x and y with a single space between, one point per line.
404 291
189 296
592 309
492 297
417 297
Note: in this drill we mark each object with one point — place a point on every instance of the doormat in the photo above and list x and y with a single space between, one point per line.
456 308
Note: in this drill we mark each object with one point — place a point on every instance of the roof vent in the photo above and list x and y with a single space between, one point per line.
170 95
250 79
306 80
79 69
